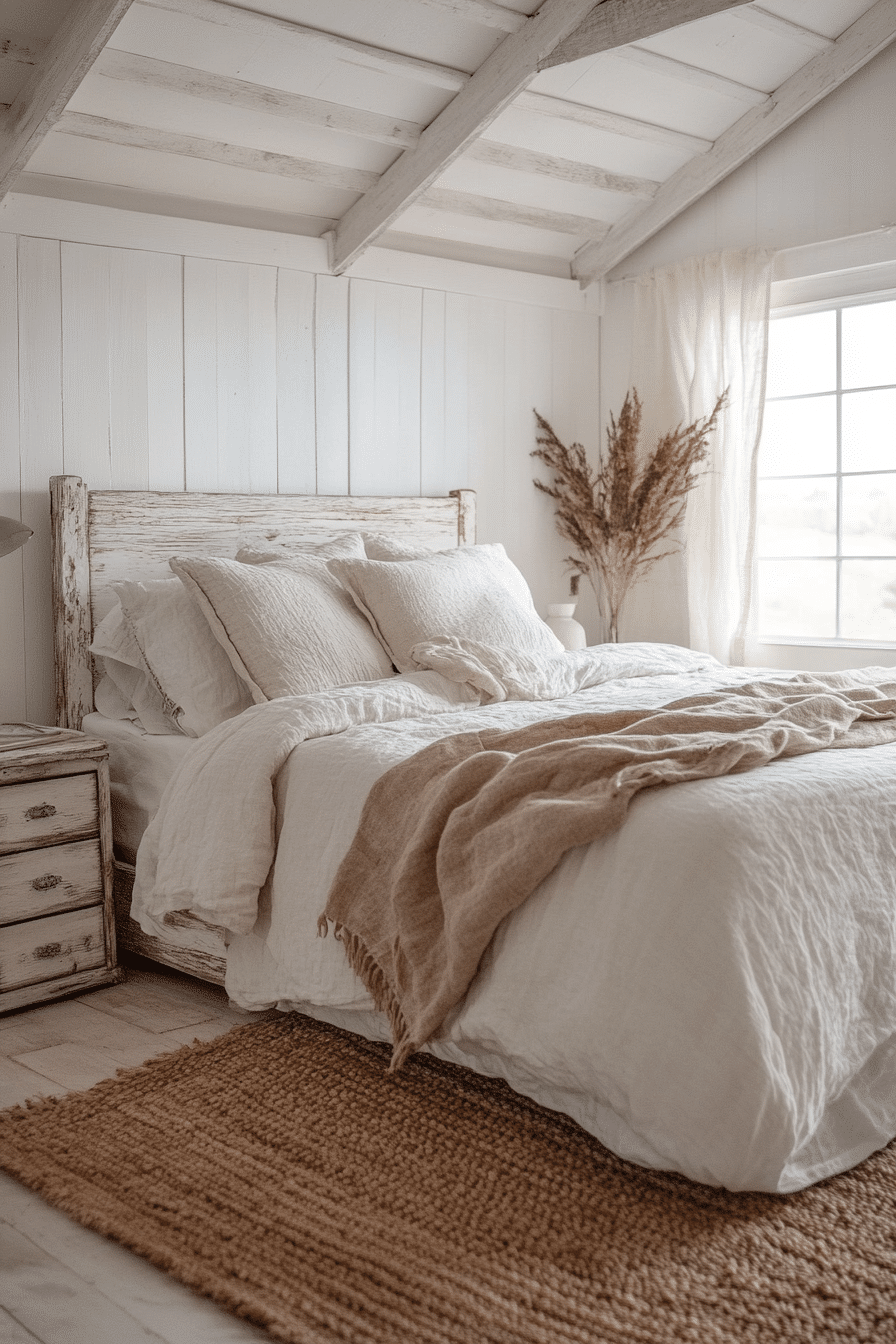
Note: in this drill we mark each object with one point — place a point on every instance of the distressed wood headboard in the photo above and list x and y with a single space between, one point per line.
101 536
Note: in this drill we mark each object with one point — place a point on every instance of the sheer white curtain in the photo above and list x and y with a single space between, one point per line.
701 326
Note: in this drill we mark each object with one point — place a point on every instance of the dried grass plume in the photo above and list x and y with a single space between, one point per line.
617 518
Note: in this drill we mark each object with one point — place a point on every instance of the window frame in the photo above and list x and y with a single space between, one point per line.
832 302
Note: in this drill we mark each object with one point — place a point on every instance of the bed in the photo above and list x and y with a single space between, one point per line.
710 989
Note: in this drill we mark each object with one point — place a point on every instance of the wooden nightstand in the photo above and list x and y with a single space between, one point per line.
57 930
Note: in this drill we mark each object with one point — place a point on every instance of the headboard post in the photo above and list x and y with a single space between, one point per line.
72 626
466 516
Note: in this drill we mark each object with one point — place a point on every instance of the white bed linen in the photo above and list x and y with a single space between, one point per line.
140 768
710 990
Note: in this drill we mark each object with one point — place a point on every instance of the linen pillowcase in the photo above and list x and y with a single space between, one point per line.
287 626
182 656
380 547
126 689
473 592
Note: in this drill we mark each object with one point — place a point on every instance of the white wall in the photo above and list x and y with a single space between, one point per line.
830 175
144 353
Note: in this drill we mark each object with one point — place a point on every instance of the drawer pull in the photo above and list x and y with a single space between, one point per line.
42 810
47 881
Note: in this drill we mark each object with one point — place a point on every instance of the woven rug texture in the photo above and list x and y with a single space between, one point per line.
283 1172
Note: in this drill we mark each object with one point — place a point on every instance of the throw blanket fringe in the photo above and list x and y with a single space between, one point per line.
456 837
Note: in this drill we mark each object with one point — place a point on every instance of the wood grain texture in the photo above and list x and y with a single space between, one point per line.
531 216
48 812
155 74
110 131
46 881
204 956
72 624
581 114
615 23
498 155
63 64
870 34
45 949
281 31
495 84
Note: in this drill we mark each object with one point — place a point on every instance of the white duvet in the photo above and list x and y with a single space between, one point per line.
710 990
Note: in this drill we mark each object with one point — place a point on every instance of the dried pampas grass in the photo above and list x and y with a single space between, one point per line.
617 517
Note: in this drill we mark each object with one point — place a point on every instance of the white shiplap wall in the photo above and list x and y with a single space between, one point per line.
158 368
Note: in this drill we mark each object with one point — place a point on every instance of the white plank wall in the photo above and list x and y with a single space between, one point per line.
153 370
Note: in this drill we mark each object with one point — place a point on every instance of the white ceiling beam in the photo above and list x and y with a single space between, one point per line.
495 84
859 44
484 12
616 23
773 23
695 75
155 74
498 155
65 60
282 30
545 105
214 151
509 212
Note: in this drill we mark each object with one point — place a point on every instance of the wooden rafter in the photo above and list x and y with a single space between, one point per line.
105 129
616 23
152 73
495 84
284 30
582 114
497 155
510 212
870 34
695 75
53 79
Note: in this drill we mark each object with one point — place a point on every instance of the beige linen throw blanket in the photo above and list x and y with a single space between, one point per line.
456 837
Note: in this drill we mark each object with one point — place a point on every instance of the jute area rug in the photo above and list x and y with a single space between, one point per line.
283 1172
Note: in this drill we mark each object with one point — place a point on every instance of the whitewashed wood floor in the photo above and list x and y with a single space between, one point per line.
60 1283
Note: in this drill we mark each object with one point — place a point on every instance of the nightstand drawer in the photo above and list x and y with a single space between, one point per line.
48 811
43 949
44 881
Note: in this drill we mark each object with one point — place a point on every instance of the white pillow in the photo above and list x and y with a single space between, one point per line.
377 546
126 688
182 656
474 592
287 626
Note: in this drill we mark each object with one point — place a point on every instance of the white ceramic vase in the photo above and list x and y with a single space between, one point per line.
560 618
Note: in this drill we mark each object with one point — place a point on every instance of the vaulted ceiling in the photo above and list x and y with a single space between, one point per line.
555 138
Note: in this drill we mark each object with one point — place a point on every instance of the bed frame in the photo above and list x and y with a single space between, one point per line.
101 536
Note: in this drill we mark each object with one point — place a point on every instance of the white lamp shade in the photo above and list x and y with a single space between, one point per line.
13 534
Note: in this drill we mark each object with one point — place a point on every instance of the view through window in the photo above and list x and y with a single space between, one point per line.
827 477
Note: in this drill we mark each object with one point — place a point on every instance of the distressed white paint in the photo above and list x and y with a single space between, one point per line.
138 368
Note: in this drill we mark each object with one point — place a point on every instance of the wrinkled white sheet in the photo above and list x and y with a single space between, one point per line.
711 990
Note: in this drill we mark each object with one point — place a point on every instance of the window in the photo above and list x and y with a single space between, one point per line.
827 477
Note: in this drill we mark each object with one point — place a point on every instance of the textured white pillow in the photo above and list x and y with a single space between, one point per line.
377 546
182 656
287 626
474 592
